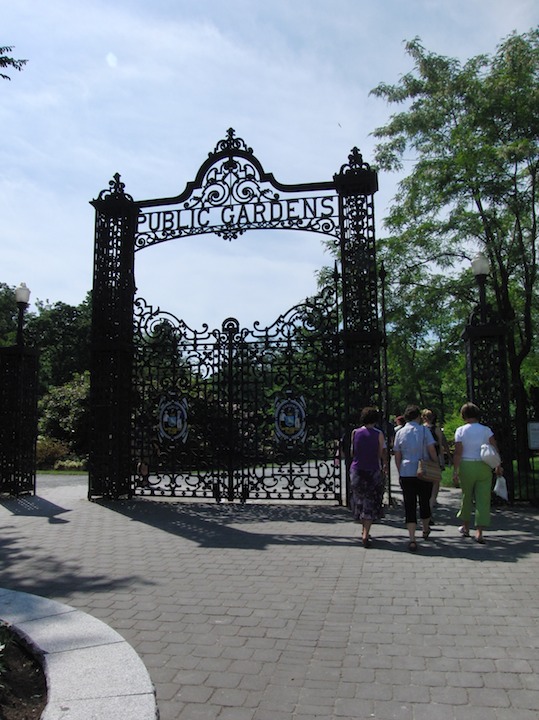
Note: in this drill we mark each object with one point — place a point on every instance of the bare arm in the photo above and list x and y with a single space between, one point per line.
492 441
457 457
432 452
398 459
352 443
382 452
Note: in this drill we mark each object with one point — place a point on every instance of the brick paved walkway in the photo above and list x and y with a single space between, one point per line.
268 612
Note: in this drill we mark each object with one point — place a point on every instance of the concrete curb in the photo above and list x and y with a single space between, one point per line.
92 672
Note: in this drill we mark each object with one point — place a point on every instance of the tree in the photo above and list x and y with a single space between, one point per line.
61 333
472 131
8 315
8 62
63 414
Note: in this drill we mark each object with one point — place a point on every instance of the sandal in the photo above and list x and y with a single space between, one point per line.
426 534
367 542
412 546
480 540
463 531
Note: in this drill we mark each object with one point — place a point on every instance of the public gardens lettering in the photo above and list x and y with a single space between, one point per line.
294 211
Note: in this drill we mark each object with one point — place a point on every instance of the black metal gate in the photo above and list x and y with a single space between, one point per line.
234 412
239 413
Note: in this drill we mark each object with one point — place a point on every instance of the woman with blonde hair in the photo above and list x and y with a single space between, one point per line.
440 445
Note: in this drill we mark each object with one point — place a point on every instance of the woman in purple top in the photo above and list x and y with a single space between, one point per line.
366 478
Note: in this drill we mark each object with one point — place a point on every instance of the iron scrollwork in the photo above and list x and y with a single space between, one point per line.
237 383
231 195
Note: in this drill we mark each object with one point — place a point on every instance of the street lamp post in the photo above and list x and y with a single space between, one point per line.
22 298
480 269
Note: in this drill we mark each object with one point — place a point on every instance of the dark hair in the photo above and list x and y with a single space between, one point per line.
469 411
412 412
369 416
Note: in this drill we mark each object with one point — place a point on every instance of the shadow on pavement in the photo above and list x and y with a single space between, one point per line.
35 506
511 535
216 525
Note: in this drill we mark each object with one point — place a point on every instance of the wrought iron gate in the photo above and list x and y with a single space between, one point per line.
233 412
238 413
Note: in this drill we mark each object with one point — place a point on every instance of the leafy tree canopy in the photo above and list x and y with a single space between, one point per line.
469 134
61 332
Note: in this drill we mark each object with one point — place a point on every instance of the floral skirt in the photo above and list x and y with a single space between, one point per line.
367 491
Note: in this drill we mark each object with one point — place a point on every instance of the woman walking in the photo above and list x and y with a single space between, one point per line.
441 447
473 475
413 443
366 478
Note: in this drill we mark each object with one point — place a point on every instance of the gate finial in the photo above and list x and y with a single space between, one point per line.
231 143
116 189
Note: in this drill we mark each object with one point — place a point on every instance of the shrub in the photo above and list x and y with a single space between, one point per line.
49 451
71 464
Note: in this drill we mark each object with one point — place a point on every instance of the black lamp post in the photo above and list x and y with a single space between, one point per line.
22 298
480 269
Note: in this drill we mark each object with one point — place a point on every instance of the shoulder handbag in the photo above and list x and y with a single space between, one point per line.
428 469
490 456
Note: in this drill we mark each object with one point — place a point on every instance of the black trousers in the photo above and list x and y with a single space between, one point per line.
414 489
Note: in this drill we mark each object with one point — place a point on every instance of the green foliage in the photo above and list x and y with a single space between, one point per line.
472 133
63 414
49 451
70 465
8 315
61 332
6 61
452 422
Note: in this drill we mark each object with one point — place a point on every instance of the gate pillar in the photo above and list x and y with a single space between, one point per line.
361 338
356 184
112 343
487 383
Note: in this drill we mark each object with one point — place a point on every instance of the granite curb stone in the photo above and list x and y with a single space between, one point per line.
92 672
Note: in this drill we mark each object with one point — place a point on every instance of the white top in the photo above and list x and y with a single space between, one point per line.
472 436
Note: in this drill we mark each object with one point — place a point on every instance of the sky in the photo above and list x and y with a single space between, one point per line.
147 89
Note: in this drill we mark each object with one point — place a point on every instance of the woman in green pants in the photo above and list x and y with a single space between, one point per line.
473 475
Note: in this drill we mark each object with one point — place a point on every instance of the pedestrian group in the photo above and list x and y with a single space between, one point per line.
416 439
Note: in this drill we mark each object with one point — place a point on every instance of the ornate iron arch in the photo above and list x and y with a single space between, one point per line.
231 194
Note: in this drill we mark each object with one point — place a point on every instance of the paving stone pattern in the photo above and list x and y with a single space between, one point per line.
272 612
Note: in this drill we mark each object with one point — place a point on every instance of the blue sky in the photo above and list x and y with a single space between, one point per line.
147 89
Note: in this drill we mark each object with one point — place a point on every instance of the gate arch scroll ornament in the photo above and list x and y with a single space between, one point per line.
232 412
